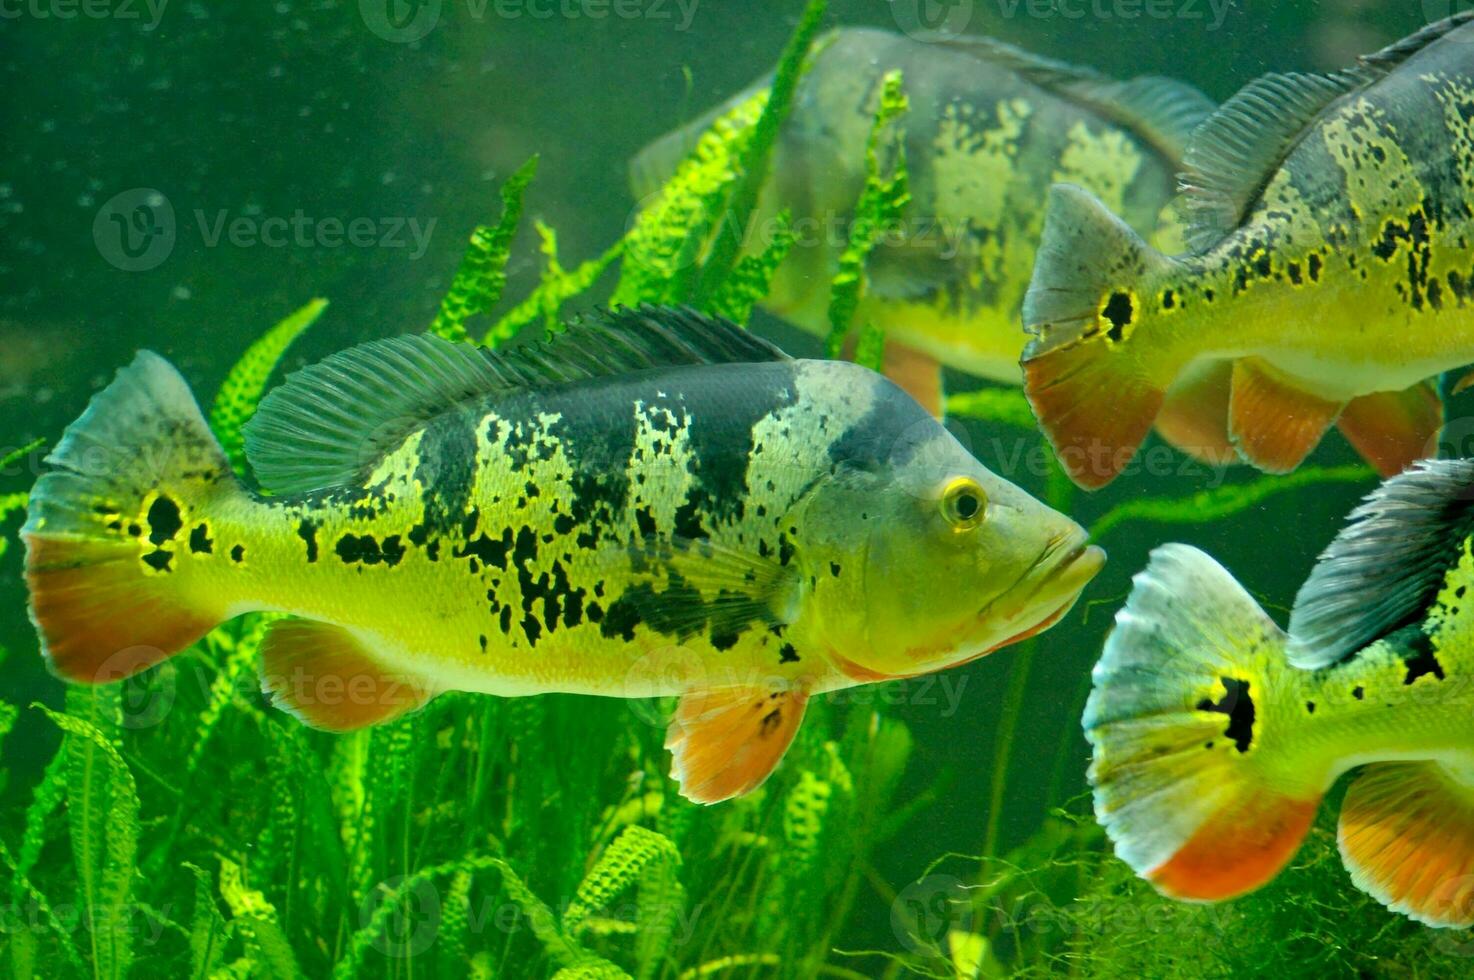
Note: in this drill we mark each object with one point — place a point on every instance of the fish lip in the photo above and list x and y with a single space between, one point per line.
1080 559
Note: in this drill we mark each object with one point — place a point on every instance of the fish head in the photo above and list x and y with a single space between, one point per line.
931 560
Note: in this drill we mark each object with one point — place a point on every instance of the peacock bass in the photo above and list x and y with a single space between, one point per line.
652 503
1217 734
1332 275
989 128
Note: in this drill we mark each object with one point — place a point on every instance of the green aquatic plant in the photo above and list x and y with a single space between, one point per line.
877 213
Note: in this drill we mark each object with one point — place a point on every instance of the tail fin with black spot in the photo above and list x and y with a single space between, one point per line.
1191 777
116 521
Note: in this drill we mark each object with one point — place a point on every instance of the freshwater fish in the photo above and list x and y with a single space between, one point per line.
989 128
1332 222
1216 734
653 503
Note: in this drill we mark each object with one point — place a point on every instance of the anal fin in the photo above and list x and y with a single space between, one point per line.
1394 429
1194 418
918 374
725 743
1407 837
1274 424
328 678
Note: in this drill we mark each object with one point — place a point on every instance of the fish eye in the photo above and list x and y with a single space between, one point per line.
964 504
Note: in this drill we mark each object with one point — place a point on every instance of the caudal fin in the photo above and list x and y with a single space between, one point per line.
114 523
1177 721
1095 388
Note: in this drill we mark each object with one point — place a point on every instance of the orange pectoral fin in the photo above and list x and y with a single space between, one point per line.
918 374
1274 424
1194 418
1407 837
1394 429
327 677
725 743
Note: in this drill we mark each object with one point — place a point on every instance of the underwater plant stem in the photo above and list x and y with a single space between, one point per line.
1013 701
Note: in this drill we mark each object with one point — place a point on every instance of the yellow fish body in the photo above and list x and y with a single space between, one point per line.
1334 250
654 503
989 128
1216 734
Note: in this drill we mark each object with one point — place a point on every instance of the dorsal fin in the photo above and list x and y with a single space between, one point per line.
329 423
1162 111
1235 153
1386 565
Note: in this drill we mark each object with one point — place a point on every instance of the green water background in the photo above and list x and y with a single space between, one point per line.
271 110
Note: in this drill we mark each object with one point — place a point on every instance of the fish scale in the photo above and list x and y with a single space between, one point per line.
653 503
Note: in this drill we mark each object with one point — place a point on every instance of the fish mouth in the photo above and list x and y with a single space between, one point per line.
1047 591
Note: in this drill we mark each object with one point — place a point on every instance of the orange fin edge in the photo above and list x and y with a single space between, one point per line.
726 743
916 373
1394 429
327 677
1274 424
1239 849
1407 837
1094 408
1194 416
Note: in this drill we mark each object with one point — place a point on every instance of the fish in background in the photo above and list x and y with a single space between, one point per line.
654 503
1216 734
990 128
1332 275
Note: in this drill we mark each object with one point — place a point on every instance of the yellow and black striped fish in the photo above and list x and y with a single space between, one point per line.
654 503
989 128
1333 275
1217 734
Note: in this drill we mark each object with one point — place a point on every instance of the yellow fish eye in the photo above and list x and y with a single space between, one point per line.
964 504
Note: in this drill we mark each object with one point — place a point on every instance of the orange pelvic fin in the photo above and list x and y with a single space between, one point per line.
1274 424
1194 418
918 374
328 678
1394 429
1407 837
725 743
1095 408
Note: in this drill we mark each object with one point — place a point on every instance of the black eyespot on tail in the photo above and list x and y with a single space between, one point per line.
1238 706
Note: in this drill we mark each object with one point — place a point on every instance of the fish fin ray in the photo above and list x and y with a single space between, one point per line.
724 743
1175 721
736 588
1407 836
1194 417
331 422
1386 565
328 678
106 529
1232 156
1274 424
1394 429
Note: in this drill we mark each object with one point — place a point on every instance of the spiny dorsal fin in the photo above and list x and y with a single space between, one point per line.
1386 565
1162 111
1234 154
329 423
